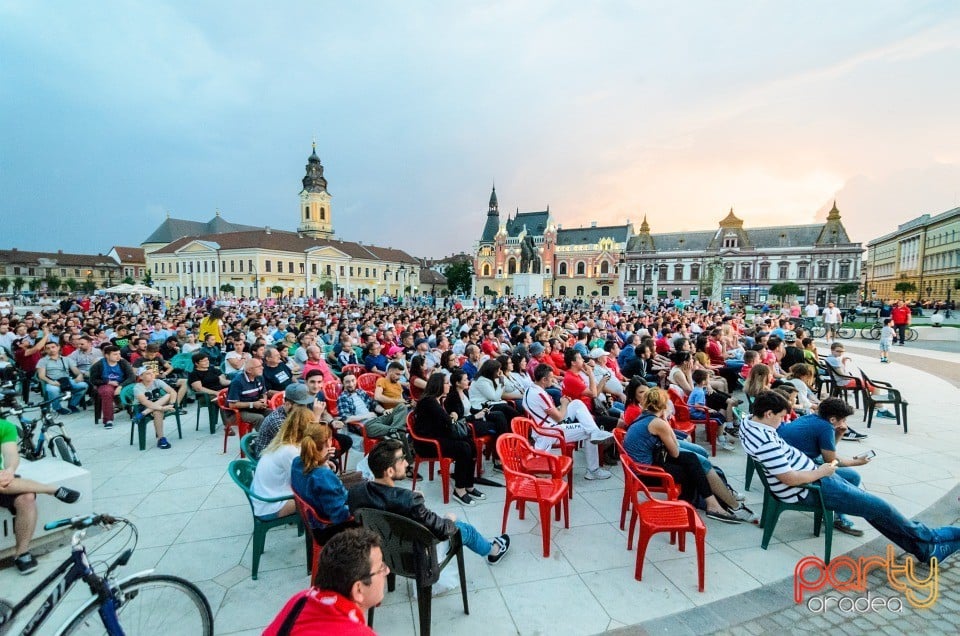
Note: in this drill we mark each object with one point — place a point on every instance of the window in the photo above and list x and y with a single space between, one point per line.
562 271
764 270
367 272
76 272
323 214
745 271
823 270
695 271
512 266
178 267
204 267
303 268
604 267
267 263
16 271
728 272
63 271
678 272
351 271
783 270
374 272
801 271
191 267
313 268
486 269
341 270
579 290
306 212
329 269
223 265
730 241
662 272
562 291
581 269
233 264
290 267
844 270
605 290
163 269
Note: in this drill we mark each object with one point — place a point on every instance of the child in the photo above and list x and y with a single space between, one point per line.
810 351
886 339
698 398
750 358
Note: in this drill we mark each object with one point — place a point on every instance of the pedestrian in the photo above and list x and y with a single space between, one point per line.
886 339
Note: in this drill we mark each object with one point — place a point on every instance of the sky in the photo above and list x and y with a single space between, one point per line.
115 114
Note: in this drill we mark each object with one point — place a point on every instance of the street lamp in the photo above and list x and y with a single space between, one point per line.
386 277
402 272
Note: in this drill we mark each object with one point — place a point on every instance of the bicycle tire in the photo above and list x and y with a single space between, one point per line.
179 608
818 331
875 333
912 334
846 332
65 451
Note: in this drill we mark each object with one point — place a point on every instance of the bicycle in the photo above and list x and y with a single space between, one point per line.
815 327
143 603
846 331
873 332
59 444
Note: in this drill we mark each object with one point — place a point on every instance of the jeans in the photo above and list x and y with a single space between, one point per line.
77 391
913 536
901 332
473 540
702 455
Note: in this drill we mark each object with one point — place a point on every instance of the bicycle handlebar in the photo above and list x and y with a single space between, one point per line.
81 522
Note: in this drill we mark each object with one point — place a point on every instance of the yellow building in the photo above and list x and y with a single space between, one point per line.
189 258
924 251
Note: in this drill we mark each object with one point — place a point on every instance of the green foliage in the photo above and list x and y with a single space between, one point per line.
129 281
5 284
459 275
147 279
227 288
326 287
88 286
782 290
18 283
846 289
34 284
904 287
71 284
956 283
278 290
53 283
676 293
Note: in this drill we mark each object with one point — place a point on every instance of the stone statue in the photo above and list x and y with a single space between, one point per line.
529 261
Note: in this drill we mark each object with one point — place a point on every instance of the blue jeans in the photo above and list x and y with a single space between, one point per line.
77 391
473 539
913 536
851 476
702 455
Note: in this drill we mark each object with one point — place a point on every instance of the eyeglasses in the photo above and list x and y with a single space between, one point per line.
384 569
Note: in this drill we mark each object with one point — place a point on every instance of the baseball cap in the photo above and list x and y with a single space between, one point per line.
597 352
789 337
536 348
143 370
393 350
298 394
420 341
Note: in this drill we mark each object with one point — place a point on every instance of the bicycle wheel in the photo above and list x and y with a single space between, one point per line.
151 604
65 451
818 331
912 334
875 333
846 332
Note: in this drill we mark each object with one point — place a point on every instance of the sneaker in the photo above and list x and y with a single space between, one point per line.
601 437
464 499
504 542
63 411
886 414
66 495
108 425
853 436
723 516
732 431
737 495
25 563
497 466
476 494
163 443
846 527
941 550
726 445
74 409
745 514
598 474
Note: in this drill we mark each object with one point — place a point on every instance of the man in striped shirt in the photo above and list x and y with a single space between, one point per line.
786 470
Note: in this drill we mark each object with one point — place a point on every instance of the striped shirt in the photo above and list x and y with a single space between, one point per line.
762 443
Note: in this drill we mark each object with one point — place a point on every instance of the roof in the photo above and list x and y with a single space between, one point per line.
20 257
760 238
130 254
171 229
490 228
283 241
590 235
912 224
430 277
535 222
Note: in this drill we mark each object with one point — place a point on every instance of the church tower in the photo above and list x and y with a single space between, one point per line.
316 220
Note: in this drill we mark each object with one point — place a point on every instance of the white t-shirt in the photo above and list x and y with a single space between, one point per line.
831 315
811 310
272 478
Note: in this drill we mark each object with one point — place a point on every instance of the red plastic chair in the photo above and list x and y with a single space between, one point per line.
331 392
523 487
276 401
310 517
683 420
445 462
666 484
675 517
368 383
230 422
536 465
355 369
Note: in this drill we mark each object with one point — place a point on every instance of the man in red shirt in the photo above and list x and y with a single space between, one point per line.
901 320
350 580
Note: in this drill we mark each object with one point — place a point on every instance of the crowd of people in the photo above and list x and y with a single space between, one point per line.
449 373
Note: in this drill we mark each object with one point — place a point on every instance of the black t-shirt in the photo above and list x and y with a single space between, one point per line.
278 377
792 356
209 379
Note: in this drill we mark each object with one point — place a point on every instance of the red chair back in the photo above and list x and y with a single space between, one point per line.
331 392
355 369
444 462
276 401
522 426
368 383
665 479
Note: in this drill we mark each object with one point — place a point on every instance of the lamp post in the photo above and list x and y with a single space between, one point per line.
386 277
402 273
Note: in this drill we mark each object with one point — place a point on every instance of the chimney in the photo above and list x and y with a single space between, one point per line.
266 230
59 251
593 224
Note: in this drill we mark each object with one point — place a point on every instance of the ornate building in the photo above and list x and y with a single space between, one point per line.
817 257
924 251
187 258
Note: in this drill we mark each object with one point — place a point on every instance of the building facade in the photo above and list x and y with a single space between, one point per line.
35 271
132 261
187 258
924 251
817 257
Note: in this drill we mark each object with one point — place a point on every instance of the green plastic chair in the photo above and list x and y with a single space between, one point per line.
773 507
246 445
241 471
213 411
182 362
139 423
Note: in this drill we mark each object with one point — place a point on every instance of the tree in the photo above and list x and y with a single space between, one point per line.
326 288
88 286
227 288
53 283
4 284
278 290
904 287
129 281
34 284
71 284
148 279
676 293
459 275
18 283
782 290
846 289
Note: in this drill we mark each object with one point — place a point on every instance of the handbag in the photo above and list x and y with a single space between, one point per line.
459 429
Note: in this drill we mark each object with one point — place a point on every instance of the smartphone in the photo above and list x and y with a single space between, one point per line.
870 454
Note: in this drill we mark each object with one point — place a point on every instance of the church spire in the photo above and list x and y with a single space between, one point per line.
314 180
494 208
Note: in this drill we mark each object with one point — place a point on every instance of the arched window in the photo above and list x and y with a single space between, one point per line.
581 269
486 269
695 272
562 270
604 268
562 291
306 212
323 214
512 266
605 290
579 290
